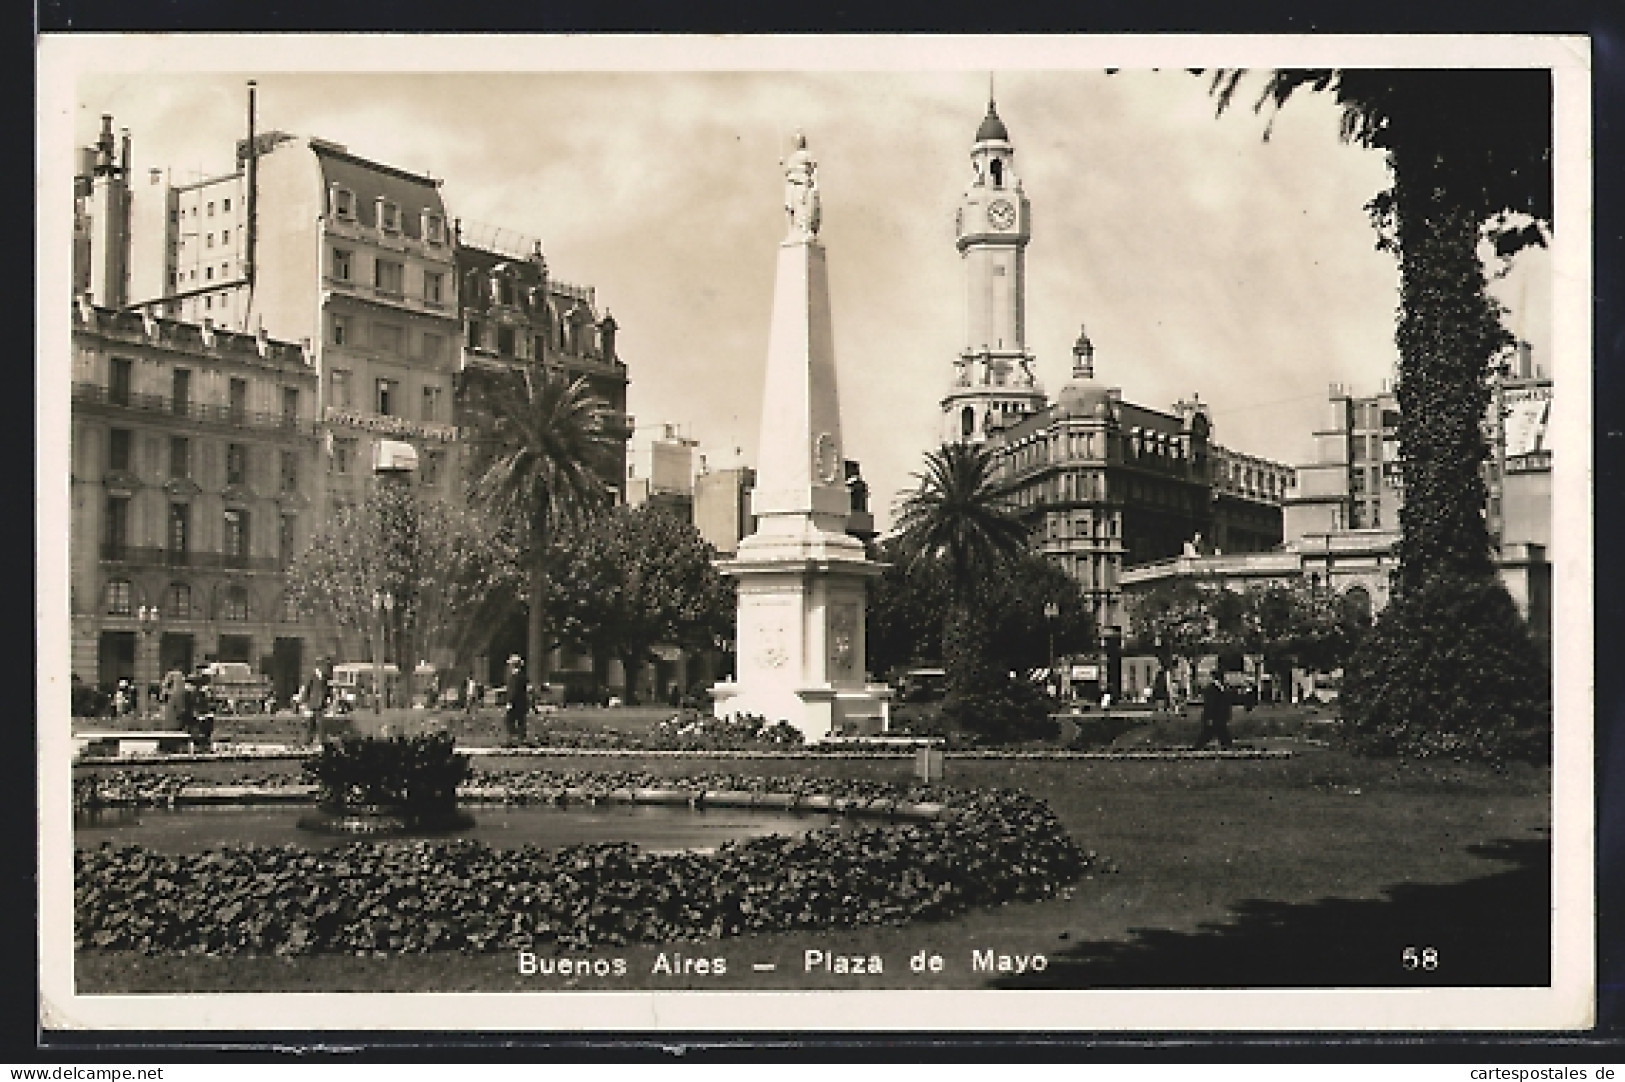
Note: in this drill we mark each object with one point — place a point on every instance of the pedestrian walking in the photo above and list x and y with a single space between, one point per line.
317 693
1215 713
471 693
177 701
518 700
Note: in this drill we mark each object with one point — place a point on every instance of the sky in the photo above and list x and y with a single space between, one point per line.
1202 258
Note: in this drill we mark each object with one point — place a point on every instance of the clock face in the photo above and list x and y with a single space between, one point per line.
1001 214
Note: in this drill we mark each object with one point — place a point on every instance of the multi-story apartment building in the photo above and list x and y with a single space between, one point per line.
312 243
193 451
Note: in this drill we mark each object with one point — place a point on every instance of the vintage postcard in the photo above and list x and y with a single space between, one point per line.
932 533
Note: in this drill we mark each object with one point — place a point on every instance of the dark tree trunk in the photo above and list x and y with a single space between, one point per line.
536 625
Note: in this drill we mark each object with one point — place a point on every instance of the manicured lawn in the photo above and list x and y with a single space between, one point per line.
1312 871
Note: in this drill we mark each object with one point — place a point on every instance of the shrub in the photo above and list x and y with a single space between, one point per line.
419 773
1449 669
1002 709
994 846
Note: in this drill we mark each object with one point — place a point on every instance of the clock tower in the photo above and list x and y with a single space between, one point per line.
993 383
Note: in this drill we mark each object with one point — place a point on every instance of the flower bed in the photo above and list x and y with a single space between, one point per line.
989 846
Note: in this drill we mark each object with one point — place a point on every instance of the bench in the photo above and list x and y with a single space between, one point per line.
121 743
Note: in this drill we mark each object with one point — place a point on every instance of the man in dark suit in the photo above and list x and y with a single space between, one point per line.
317 693
1215 712
518 700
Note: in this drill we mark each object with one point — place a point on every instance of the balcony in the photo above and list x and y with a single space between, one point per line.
157 405
152 556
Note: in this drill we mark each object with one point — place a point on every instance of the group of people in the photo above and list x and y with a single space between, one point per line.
187 705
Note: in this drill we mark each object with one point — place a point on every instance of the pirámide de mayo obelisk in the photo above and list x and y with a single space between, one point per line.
800 645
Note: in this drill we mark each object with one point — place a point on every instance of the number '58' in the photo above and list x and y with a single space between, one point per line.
1423 958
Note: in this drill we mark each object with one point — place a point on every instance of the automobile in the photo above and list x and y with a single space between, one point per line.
1324 688
921 685
1243 688
234 687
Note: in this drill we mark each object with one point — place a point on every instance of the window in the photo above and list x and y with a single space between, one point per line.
284 540
343 203
180 458
208 274
290 407
239 400
290 471
343 454
119 594
432 283
538 346
180 521
505 341
236 464
384 400
208 240
475 332
236 533
434 347
386 337
339 388
120 375
431 403
178 600
434 231
211 209
389 216
208 304
225 269
234 603
118 450
226 205
340 328
343 264
225 237
387 275
117 533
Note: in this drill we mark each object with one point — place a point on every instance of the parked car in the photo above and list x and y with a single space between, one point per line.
922 685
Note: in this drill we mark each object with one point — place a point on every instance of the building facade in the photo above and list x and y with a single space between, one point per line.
193 456
513 316
994 383
1103 484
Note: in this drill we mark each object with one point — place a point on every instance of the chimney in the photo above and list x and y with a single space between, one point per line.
252 202
1526 360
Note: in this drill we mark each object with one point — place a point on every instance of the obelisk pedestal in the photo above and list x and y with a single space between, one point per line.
800 635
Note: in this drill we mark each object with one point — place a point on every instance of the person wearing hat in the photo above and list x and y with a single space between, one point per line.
316 695
518 700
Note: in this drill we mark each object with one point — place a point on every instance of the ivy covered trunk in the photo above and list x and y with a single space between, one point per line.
1449 334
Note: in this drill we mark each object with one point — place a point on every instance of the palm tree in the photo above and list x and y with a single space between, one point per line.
547 459
957 517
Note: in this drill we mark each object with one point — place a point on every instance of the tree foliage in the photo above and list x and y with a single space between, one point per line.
1469 151
957 524
623 580
545 455
446 570
908 609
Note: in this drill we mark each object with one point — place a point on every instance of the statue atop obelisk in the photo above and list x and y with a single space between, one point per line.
800 641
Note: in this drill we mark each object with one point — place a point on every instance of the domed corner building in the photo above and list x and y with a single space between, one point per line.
1109 489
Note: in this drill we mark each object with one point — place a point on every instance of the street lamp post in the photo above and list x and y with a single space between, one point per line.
383 607
146 618
1051 611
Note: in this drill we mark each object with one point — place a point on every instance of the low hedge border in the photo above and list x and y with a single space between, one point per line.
984 847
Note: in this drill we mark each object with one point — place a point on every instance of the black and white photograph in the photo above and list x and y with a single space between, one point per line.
571 533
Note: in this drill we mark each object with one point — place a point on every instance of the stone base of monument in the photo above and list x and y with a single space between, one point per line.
383 820
818 713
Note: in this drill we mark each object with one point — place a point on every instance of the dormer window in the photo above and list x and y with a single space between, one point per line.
389 216
343 203
434 228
